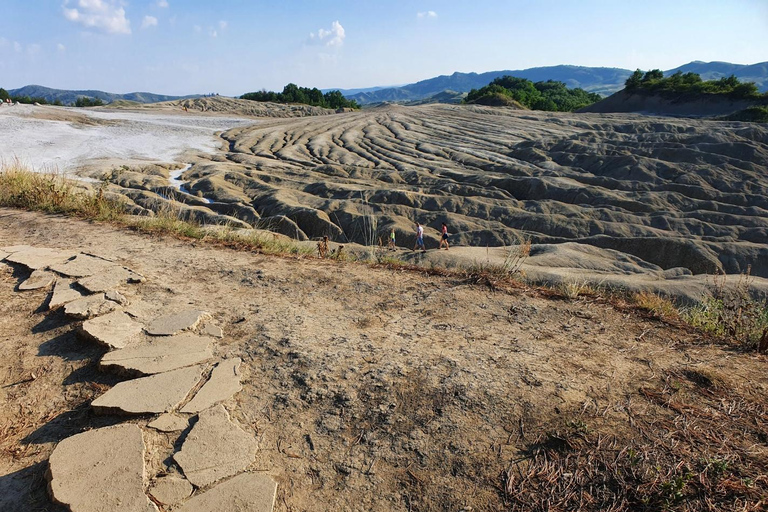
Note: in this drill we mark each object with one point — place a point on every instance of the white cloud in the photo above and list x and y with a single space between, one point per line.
333 37
163 4
223 25
17 47
105 15
34 49
213 33
61 47
426 14
148 21
198 28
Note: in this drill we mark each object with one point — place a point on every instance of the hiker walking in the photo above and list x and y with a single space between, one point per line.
392 245
443 237
419 238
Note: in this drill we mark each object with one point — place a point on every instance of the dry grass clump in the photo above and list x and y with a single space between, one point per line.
658 306
731 312
53 193
494 274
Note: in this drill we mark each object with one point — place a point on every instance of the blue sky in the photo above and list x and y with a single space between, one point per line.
236 46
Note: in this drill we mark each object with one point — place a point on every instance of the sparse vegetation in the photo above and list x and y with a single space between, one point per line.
691 83
753 114
84 101
550 95
731 312
304 95
657 305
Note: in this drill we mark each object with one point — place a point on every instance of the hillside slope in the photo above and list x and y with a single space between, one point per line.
67 96
679 105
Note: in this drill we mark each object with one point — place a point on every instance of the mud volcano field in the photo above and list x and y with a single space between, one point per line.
673 192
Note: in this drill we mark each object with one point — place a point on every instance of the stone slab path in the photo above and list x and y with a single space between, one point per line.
105 469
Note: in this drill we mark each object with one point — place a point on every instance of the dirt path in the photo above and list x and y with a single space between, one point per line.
368 389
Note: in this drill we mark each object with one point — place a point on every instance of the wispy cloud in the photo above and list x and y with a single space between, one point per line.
426 14
61 47
213 32
148 21
163 4
333 37
223 25
105 15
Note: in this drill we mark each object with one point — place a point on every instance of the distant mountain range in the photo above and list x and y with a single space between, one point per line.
603 81
67 97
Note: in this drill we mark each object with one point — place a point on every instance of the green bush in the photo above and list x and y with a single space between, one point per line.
551 95
754 114
84 101
292 93
690 83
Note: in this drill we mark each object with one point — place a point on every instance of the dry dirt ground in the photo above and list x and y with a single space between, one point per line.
377 390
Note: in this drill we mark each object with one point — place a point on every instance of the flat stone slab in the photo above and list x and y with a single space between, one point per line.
148 395
170 489
158 356
63 292
38 279
115 330
83 265
10 249
173 324
4 255
224 382
116 296
215 448
35 258
213 331
169 423
100 470
247 492
110 279
89 307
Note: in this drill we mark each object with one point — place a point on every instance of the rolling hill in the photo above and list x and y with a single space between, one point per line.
603 81
67 97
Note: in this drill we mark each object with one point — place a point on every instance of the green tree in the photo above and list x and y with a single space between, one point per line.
4 95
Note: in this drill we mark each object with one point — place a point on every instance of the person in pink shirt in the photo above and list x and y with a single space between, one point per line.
443 237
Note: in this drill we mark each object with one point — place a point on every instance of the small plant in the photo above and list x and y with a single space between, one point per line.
657 305
730 311
573 289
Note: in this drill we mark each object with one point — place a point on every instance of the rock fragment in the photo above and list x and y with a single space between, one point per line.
89 307
100 470
215 448
38 279
224 382
4 255
83 265
35 258
213 331
109 279
116 296
157 356
116 330
148 395
173 324
63 292
169 490
247 492
169 423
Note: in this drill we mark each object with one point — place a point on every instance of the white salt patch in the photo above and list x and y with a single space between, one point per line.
180 185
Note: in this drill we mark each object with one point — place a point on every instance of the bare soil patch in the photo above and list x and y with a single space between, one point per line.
374 389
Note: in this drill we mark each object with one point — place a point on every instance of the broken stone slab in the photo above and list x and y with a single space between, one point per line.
169 423
109 279
247 492
63 293
89 307
10 249
148 395
83 265
101 469
173 324
116 296
157 356
4 255
213 331
215 448
170 490
38 279
224 382
35 258
116 330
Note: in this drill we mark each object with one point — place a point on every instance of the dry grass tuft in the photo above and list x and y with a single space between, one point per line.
657 305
